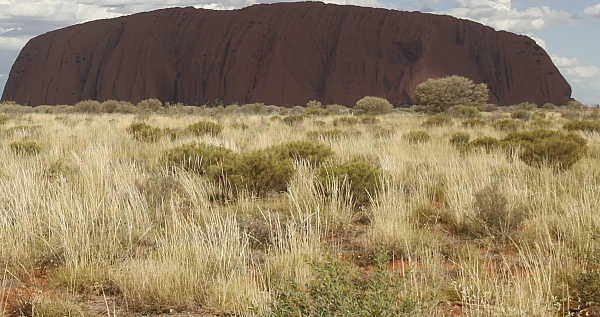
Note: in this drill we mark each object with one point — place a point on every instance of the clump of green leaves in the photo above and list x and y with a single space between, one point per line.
340 289
462 111
438 120
373 106
582 125
142 131
26 147
197 157
201 128
345 121
314 152
547 148
416 137
488 144
460 139
361 177
439 94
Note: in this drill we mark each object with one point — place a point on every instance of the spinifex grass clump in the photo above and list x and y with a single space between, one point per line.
582 125
506 125
438 120
362 178
474 123
340 289
460 139
201 128
27 147
142 131
345 121
328 135
487 143
4 119
547 148
416 137
293 120
314 152
260 172
197 157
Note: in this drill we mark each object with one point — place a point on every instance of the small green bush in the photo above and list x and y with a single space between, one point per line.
345 121
201 128
151 104
460 139
416 137
438 120
26 147
293 120
462 111
549 106
340 289
240 126
582 125
373 106
144 132
88 106
486 143
541 123
329 135
506 125
259 172
361 177
548 148
312 151
197 157
474 123
521 115
369 120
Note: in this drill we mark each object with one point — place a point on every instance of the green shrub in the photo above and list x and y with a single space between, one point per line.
416 137
369 120
486 143
340 289
330 135
313 152
197 157
541 123
151 104
506 125
240 126
462 111
549 106
361 177
474 122
521 115
460 139
438 120
345 121
201 128
88 106
259 172
27 147
144 132
293 120
527 105
373 106
582 125
548 148
439 94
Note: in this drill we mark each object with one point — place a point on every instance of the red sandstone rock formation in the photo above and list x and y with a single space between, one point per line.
281 54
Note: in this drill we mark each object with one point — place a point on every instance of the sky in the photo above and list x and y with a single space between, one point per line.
567 30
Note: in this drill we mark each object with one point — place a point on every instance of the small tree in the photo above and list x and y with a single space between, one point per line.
373 106
439 94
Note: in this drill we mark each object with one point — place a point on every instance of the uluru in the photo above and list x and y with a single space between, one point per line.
280 54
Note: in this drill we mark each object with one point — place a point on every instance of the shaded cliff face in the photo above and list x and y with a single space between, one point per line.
281 54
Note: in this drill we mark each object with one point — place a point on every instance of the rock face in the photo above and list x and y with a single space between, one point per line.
281 54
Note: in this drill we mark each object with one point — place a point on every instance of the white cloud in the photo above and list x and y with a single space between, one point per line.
593 11
13 43
572 68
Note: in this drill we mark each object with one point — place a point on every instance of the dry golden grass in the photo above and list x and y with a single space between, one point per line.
97 213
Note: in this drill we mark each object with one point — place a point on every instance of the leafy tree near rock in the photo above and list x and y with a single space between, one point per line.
440 94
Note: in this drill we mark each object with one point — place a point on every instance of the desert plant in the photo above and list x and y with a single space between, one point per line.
293 120
369 120
438 120
361 177
88 106
582 125
546 147
521 115
416 137
345 121
4 119
197 157
201 128
27 147
260 172
460 139
142 131
440 94
331 135
313 152
486 143
506 125
373 106
151 104
474 122
462 111
549 106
